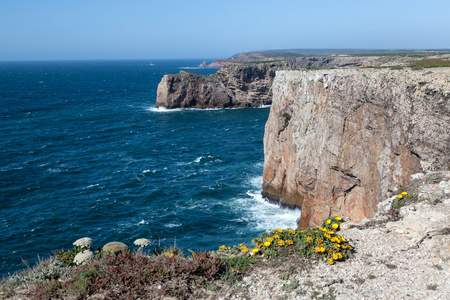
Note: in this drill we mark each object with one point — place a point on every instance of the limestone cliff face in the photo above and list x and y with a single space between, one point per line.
338 141
234 85
237 84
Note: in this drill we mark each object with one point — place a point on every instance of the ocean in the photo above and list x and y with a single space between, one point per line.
84 152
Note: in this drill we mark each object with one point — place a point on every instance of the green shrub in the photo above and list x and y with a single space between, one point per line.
66 257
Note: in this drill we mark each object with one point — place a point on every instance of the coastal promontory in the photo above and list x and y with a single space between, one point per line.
237 84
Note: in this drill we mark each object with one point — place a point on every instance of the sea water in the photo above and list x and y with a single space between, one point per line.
84 152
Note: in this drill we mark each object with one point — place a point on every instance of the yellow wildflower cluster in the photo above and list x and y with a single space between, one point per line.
322 242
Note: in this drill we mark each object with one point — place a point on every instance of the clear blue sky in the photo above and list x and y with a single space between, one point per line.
138 29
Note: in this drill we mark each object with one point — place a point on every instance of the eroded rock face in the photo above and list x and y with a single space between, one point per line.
234 85
237 84
337 141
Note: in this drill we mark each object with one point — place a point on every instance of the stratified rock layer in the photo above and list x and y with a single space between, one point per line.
337 141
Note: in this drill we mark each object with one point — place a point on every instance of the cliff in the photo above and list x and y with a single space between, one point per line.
338 141
237 84
234 85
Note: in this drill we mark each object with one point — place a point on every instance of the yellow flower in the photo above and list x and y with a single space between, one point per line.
292 231
404 193
255 250
168 254
281 243
322 249
335 256
317 249
259 244
289 242
339 218
337 246
330 261
223 247
342 238
309 239
319 241
245 250
328 221
267 244
327 235
276 236
330 232
270 239
254 240
399 196
330 252
339 255
279 230
335 226
344 247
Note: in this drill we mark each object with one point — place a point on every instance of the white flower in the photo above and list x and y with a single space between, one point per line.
84 243
142 243
83 257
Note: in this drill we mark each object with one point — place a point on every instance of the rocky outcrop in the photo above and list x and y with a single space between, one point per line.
339 140
237 84
234 85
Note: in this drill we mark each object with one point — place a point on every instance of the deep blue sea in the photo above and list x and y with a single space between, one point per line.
84 152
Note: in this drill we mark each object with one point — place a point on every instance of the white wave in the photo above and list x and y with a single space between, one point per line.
264 106
142 222
172 225
256 182
54 170
270 216
163 109
92 185
167 110
265 216
198 159
189 68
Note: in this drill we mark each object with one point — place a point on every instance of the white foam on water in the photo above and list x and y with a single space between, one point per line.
142 222
265 215
172 225
92 185
171 110
198 159
163 109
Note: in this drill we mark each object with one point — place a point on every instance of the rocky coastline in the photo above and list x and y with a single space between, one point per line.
238 84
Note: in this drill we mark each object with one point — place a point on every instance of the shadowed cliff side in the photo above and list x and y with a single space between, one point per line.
237 84
338 141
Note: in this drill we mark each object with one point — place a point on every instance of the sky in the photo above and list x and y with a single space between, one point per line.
167 29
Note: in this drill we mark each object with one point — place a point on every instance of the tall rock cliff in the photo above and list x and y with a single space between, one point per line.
237 84
338 141
234 85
